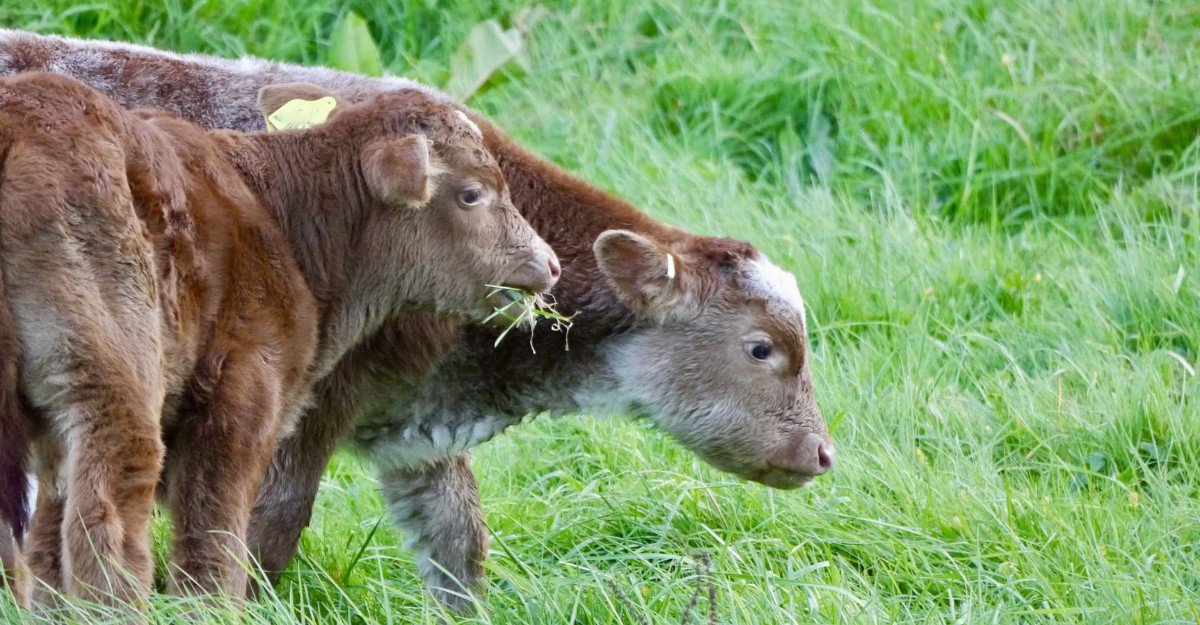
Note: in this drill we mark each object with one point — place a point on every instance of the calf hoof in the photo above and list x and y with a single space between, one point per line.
456 601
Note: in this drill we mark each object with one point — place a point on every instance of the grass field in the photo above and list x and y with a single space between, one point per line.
992 211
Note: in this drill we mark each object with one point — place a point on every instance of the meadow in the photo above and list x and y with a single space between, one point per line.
991 208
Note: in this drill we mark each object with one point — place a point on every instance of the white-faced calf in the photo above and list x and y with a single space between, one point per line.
171 296
704 336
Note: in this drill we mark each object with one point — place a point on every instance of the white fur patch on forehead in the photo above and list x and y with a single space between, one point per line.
776 283
470 124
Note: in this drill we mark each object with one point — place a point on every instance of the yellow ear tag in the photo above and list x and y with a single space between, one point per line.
297 114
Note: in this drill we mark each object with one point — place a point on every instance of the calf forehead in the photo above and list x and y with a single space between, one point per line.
459 140
471 126
765 280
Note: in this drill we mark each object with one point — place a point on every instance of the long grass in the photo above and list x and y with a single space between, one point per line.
991 207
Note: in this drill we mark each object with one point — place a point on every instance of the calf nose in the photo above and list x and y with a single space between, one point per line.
825 456
811 455
539 273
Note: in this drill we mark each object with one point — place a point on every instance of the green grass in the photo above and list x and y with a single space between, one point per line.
991 207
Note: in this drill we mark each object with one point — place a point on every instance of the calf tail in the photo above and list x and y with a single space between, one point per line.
14 434
15 427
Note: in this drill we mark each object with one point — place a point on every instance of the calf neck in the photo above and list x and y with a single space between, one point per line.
703 336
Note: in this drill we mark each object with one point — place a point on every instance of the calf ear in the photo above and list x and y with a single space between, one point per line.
399 171
648 278
293 105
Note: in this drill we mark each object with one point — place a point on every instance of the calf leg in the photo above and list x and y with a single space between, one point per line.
438 507
218 456
285 500
16 573
285 504
99 466
96 495
43 544
109 502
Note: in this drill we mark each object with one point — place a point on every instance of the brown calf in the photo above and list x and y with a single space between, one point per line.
704 336
168 285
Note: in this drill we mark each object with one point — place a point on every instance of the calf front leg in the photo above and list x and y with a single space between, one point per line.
216 462
285 503
439 510
285 500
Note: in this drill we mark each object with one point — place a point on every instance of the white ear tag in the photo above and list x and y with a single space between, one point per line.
670 267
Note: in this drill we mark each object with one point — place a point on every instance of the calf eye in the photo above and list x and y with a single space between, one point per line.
760 351
470 197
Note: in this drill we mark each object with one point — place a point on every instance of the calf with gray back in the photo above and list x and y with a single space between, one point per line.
703 336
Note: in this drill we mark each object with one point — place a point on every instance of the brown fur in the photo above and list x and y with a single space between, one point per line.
677 350
17 575
165 284
15 431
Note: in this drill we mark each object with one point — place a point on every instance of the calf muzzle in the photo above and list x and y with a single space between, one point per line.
797 463
538 274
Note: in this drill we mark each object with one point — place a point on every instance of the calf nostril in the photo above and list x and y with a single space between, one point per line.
555 269
825 456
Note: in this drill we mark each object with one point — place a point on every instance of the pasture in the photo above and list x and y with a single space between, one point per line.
991 208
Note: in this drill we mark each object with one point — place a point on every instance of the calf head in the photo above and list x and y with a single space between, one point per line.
720 360
426 179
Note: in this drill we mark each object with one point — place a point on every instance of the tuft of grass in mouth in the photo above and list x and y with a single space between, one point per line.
527 309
